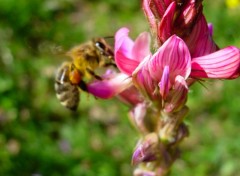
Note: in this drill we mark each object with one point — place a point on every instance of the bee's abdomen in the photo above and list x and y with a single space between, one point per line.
67 94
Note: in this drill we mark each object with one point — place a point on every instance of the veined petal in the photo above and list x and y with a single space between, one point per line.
222 64
200 41
164 84
141 47
173 53
110 87
165 28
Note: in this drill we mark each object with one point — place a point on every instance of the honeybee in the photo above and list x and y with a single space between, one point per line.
71 76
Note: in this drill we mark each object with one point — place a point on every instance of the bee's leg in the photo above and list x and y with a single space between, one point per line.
93 74
83 86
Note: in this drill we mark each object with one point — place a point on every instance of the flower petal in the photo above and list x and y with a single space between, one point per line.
124 64
147 150
137 116
120 36
165 28
200 41
142 80
128 54
164 85
131 96
178 95
141 47
149 14
110 87
173 53
223 64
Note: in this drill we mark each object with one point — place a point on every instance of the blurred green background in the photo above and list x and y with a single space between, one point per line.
39 137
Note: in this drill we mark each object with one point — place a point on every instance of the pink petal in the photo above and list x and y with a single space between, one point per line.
165 28
200 41
122 36
108 88
128 54
142 80
149 14
141 172
141 47
158 7
223 64
210 29
131 96
164 85
177 96
147 150
167 2
173 53
124 64
137 116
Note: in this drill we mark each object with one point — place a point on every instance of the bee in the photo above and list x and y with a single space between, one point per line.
71 76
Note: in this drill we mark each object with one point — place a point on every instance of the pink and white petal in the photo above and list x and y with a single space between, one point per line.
120 37
173 53
177 96
222 64
164 84
141 47
165 28
106 89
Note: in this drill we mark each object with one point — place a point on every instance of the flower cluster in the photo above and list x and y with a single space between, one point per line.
156 83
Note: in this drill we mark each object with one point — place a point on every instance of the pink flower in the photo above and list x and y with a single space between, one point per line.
183 18
129 51
157 76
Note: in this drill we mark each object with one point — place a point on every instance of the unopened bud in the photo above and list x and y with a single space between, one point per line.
147 150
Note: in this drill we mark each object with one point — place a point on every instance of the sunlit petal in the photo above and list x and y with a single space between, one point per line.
129 54
223 64
141 47
110 87
173 53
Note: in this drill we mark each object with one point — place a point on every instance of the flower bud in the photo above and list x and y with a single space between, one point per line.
147 150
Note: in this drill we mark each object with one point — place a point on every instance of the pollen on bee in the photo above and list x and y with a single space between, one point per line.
74 77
